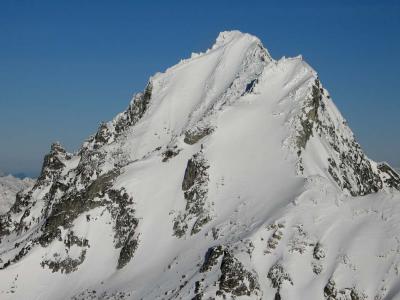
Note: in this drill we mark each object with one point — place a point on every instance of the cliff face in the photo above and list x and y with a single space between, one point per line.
232 175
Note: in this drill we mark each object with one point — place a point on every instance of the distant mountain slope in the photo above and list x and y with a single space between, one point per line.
231 176
9 187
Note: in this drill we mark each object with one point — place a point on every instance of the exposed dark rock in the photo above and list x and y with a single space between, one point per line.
278 275
135 111
235 279
52 164
318 252
66 265
90 294
348 165
102 136
170 153
276 237
250 86
310 116
212 258
195 175
203 219
198 296
332 293
127 251
89 165
355 167
52 168
123 214
22 201
65 202
194 135
391 177
74 240
180 227
195 188
125 225
317 268
73 204
24 251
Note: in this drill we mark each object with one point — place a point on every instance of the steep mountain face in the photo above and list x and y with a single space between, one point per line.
9 187
232 176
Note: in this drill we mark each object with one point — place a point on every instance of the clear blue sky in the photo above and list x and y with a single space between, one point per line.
65 66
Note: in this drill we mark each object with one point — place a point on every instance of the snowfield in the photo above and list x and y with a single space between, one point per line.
231 176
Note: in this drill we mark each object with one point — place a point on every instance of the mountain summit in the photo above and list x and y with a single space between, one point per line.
231 176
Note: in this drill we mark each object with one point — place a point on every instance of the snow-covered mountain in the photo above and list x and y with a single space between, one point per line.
9 187
231 176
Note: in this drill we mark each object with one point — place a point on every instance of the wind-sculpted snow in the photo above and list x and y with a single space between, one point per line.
231 176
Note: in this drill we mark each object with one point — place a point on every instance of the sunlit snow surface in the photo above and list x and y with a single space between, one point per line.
256 196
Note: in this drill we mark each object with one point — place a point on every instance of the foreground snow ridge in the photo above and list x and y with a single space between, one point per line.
231 176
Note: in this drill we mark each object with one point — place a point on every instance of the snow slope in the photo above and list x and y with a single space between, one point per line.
9 187
232 176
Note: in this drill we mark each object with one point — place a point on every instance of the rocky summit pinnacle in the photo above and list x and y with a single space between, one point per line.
231 176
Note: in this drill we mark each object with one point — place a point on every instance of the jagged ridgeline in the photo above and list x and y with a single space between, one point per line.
71 186
348 165
231 176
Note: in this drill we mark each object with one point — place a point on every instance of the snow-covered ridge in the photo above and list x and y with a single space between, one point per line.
231 176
